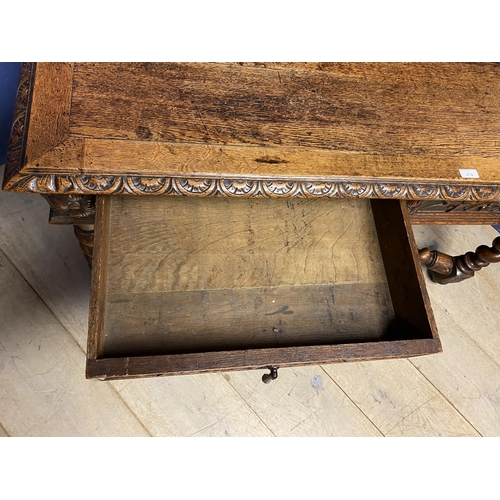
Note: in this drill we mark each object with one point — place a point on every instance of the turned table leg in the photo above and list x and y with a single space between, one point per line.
446 269
85 235
78 211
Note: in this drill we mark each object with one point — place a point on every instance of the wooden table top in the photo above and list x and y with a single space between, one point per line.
379 130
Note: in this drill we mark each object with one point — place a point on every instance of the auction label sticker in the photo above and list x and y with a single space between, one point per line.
469 173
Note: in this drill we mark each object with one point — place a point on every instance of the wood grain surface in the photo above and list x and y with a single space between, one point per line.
221 274
246 318
401 125
50 109
417 109
400 400
56 390
176 244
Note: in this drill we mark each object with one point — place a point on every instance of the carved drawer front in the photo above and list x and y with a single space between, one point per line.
185 285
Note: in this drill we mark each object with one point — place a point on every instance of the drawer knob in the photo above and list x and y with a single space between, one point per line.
267 377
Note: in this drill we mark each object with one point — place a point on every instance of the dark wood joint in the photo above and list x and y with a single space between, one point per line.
445 269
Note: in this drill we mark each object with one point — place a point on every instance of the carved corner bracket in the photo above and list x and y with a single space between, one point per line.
71 208
79 211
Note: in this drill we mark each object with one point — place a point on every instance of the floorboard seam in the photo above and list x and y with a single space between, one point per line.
43 302
117 392
248 404
71 336
206 427
4 430
412 412
444 396
469 337
352 401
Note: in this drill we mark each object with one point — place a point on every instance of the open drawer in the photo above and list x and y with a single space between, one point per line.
192 284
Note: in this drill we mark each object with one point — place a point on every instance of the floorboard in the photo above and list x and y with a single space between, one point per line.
398 399
302 402
42 388
202 405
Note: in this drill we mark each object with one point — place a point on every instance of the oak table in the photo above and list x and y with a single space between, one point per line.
288 236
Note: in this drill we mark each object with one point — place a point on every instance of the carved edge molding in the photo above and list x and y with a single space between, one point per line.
247 188
237 188
459 207
19 130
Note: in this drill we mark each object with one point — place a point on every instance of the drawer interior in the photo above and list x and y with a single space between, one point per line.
183 284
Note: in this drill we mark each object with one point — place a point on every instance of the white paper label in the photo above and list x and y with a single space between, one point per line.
469 173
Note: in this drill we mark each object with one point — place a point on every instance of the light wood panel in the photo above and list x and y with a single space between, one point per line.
466 375
43 393
192 405
399 400
179 244
304 402
48 257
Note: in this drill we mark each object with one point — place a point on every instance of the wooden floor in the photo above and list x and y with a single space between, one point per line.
44 292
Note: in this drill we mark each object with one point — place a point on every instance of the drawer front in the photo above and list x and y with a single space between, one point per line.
185 285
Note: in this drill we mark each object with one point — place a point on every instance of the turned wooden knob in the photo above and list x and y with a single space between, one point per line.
272 375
